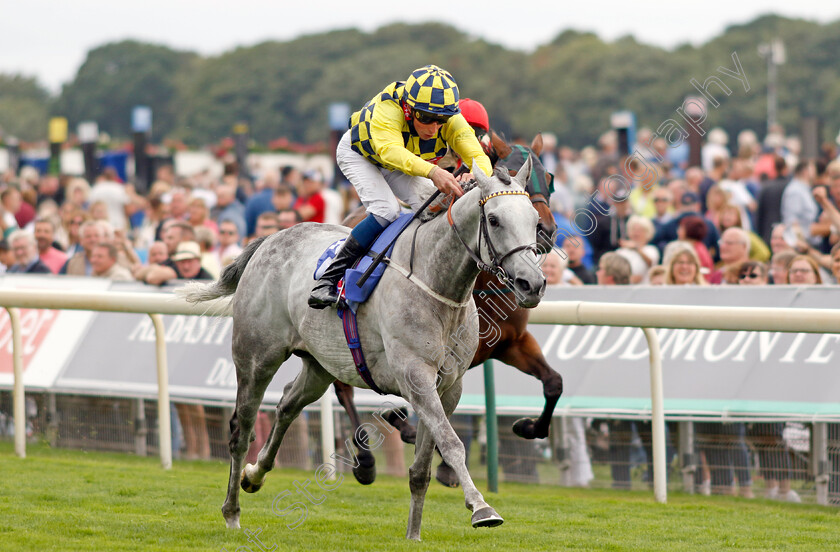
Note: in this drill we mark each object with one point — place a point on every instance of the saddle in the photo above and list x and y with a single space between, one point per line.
351 293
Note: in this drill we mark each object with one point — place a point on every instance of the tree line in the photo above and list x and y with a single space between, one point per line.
568 86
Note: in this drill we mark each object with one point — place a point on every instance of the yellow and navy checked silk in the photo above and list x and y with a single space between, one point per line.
380 132
432 89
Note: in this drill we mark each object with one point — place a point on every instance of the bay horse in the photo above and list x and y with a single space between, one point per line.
511 343
410 328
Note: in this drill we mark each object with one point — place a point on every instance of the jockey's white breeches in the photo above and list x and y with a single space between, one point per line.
379 188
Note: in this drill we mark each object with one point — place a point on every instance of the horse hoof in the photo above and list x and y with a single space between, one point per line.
486 517
526 428
408 435
365 472
446 476
247 485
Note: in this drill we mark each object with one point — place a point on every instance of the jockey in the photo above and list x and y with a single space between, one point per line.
391 151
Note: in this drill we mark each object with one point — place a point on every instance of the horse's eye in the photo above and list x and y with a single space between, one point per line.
493 220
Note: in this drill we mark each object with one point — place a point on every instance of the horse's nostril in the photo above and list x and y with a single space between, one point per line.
523 285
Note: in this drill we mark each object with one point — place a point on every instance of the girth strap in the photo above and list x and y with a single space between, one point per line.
351 333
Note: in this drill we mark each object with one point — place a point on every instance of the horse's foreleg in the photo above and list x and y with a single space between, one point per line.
525 355
434 412
365 471
419 475
306 388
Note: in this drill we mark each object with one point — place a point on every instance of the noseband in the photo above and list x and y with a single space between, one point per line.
495 266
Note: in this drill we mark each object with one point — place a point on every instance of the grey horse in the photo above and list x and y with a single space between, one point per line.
418 330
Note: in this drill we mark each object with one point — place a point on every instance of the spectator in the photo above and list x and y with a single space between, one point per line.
574 249
261 201
206 240
734 250
310 202
613 270
556 272
781 239
229 246
112 193
7 258
715 149
799 208
44 235
663 207
198 215
835 262
92 233
753 273
610 229
731 216
187 259
769 210
716 198
283 197
720 166
175 232
266 224
24 248
179 202
158 253
10 203
689 205
78 193
228 208
779 264
103 260
683 266
693 230
656 275
49 187
636 249
803 271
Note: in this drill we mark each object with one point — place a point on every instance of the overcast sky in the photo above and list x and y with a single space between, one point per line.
49 39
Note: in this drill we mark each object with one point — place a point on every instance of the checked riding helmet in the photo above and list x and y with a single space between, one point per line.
432 90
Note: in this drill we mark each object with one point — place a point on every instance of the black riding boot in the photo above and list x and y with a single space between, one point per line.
324 294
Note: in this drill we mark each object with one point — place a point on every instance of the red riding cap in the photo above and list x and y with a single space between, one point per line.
474 113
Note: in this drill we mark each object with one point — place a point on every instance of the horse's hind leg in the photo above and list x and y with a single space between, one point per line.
419 475
306 388
525 355
365 471
249 394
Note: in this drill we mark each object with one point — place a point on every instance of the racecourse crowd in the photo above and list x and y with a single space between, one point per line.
754 212
756 201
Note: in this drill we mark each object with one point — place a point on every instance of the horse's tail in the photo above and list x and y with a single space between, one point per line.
196 292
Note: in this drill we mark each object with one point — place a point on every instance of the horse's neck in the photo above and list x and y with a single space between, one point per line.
441 260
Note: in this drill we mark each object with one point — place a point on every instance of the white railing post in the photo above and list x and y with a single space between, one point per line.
164 421
18 395
327 430
657 422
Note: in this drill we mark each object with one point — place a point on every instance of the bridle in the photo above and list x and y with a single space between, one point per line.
495 265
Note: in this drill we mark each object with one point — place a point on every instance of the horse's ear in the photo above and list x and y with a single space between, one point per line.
537 145
524 173
501 147
482 179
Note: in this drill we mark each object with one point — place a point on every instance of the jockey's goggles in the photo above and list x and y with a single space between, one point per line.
429 118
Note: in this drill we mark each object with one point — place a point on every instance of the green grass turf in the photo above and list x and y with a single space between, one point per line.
73 500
